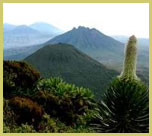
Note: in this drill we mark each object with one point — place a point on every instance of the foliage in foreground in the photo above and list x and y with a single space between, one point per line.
18 77
51 105
56 95
124 108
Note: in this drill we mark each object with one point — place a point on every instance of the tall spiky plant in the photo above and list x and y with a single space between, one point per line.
125 105
129 66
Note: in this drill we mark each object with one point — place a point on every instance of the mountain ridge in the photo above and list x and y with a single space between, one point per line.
85 33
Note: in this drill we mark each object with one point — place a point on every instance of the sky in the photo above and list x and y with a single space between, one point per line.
109 18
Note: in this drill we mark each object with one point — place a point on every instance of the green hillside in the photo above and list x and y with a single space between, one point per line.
105 49
101 47
63 60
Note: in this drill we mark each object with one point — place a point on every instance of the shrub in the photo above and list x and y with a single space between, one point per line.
64 100
54 125
26 110
18 76
9 115
50 125
23 128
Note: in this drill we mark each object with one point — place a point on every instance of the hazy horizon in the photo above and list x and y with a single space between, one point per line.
109 18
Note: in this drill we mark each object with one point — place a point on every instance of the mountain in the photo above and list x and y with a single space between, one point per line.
19 53
94 43
72 65
8 27
91 41
84 37
23 29
21 36
105 49
46 28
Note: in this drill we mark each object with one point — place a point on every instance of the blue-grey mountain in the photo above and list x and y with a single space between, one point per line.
21 36
46 28
8 27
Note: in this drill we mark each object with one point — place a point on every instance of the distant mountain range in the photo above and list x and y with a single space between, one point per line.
8 27
63 60
103 48
46 28
90 41
23 35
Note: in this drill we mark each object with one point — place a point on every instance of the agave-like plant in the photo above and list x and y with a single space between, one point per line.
125 105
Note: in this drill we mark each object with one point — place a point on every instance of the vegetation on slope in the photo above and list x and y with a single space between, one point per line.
18 77
65 61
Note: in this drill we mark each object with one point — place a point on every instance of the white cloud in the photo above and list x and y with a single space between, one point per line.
110 18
